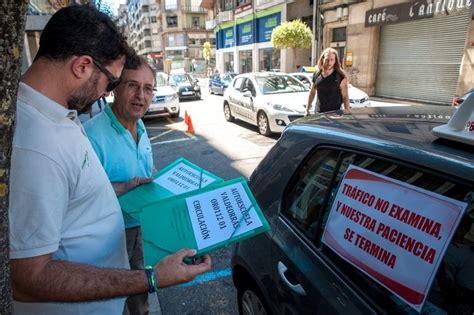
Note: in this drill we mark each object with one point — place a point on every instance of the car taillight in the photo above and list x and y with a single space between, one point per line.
456 101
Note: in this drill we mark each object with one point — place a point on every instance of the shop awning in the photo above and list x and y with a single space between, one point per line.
207 4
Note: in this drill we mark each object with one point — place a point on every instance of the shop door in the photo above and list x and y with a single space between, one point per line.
420 60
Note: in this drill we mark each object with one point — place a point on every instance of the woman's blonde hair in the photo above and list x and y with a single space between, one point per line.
337 66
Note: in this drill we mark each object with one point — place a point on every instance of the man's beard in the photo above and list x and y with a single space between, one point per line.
85 97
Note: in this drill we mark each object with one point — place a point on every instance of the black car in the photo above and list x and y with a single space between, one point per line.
316 188
188 87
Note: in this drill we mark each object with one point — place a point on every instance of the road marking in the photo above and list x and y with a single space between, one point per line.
161 134
209 276
157 127
176 140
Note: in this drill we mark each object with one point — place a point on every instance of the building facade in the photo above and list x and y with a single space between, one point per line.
184 33
145 27
243 31
421 50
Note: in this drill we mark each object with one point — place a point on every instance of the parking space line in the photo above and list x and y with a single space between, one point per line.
157 127
175 140
208 276
161 134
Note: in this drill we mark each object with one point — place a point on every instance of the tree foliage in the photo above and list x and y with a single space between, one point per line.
206 51
292 34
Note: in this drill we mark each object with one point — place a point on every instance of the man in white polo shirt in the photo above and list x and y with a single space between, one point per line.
67 242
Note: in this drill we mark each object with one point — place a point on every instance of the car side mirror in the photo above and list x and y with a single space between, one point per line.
247 94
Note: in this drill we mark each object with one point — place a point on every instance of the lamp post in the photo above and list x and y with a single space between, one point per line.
317 18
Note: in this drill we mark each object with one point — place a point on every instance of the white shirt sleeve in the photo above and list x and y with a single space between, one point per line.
39 193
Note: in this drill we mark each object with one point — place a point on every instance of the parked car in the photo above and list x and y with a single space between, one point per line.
392 153
165 102
458 100
267 100
357 97
219 82
188 87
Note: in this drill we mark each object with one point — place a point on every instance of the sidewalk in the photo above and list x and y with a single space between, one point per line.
396 101
154 308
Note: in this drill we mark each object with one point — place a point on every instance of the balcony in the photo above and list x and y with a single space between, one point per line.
171 7
188 8
191 26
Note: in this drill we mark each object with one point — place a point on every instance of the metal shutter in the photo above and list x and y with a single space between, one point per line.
420 60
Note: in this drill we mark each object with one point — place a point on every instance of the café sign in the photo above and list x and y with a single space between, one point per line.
415 10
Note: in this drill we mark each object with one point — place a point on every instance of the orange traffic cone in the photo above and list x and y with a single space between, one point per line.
186 117
190 126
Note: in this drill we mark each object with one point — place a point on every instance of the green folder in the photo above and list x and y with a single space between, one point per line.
206 220
179 177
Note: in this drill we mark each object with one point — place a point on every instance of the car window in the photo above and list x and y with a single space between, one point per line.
238 83
178 78
307 196
274 84
161 79
248 86
310 197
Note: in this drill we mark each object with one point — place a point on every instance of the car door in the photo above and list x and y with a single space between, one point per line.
211 83
306 283
235 96
312 278
246 100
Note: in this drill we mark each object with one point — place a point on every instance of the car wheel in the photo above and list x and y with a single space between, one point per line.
263 125
227 113
251 302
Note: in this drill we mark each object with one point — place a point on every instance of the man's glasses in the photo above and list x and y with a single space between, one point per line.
113 80
148 90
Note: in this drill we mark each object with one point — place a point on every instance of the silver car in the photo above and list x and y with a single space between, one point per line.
165 101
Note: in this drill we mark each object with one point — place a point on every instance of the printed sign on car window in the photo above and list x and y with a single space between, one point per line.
392 231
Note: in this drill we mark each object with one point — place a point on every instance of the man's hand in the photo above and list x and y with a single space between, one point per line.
122 188
172 270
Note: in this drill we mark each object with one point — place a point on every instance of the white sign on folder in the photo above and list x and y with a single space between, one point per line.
183 178
232 214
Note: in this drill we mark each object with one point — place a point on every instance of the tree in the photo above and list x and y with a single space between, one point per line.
292 34
206 54
12 28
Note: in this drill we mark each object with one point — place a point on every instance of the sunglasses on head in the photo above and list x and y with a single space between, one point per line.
113 80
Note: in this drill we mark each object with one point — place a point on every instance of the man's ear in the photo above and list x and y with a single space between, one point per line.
82 66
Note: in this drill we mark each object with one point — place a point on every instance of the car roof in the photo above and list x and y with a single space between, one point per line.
398 132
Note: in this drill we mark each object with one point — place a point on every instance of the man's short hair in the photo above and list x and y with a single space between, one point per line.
82 30
135 62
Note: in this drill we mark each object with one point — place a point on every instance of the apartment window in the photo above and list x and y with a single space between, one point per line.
243 2
172 21
339 34
195 22
153 19
171 4
227 5
147 44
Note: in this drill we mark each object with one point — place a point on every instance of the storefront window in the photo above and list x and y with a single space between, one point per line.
245 57
269 59
229 62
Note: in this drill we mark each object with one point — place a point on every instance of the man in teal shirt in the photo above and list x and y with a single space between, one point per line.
119 138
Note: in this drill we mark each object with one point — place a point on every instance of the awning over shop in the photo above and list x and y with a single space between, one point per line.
207 4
